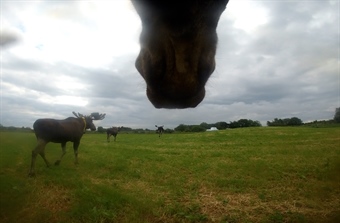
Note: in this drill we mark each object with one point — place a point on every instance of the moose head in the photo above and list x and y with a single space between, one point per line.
88 119
178 46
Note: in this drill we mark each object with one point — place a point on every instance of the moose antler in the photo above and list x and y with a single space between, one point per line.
94 115
97 116
78 115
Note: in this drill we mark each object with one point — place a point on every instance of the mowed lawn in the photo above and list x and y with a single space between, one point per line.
262 174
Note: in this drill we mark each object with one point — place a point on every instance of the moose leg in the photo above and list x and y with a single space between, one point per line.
75 148
108 137
39 149
63 149
115 138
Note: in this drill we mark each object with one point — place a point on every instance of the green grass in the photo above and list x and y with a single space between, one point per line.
241 175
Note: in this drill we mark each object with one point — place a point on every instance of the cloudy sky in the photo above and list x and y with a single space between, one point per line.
275 59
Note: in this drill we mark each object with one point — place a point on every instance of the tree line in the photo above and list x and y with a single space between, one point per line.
219 125
101 129
294 121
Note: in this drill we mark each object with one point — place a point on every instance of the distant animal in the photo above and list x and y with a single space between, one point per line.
112 132
61 131
177 49
159 130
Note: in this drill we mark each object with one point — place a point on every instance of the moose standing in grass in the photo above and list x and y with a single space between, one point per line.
61 131
112 132
159 130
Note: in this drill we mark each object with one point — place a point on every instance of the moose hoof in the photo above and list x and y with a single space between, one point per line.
57 163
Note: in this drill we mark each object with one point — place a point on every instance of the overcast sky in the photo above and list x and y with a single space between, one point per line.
275 59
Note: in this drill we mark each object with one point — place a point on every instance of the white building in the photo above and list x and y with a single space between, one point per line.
212 129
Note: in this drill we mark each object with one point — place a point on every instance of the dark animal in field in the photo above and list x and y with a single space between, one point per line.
178 46
159 130
113 132
61 131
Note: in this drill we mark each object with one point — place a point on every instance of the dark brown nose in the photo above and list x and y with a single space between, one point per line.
175 84
162 100
93 128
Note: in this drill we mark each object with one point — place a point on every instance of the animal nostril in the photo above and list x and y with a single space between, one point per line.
176 100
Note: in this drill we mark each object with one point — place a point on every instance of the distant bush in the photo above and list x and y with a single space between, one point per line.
294 121
322 123
15 129
244 123
190 128
219 125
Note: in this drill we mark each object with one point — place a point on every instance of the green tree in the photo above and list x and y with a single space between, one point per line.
204 125
295 121
181 128
168 130
221 125
337 115
244 123
197 128
100 129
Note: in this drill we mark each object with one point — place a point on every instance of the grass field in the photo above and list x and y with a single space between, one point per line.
241 175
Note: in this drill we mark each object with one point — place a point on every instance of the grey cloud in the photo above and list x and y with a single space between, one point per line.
7 38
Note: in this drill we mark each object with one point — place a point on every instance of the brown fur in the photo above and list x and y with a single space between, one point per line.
178 46
112 132
60 131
